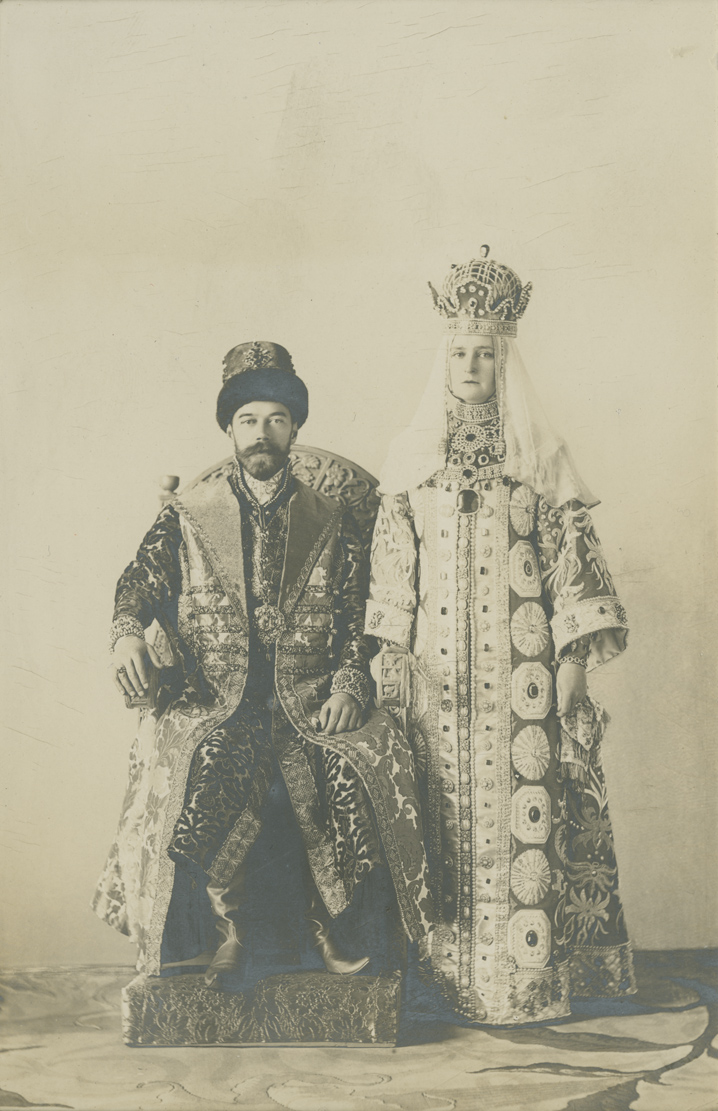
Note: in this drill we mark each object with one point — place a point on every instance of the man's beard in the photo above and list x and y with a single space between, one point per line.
263 460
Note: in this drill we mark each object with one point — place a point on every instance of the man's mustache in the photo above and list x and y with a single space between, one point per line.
260 449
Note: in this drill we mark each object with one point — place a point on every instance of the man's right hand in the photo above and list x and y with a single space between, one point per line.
132 659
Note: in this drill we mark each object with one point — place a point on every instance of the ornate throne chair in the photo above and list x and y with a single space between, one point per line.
290 1008
324 471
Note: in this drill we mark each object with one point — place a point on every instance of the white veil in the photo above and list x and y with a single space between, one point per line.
535 454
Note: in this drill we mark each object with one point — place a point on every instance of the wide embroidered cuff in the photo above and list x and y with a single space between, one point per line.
123 626
588 615
350 680
388 622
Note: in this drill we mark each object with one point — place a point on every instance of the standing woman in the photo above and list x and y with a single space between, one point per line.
491 595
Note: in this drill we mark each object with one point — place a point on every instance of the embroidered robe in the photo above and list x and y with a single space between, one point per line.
486 592
206 626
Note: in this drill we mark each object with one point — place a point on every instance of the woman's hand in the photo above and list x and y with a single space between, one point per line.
571 688
131 659
339 713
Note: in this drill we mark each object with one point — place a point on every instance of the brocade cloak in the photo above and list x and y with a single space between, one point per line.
205 632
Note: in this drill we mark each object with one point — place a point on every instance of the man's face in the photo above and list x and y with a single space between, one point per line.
262 433
471 368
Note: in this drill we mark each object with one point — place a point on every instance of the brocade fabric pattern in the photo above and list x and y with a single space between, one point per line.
577 581
149 586
225 767
232 769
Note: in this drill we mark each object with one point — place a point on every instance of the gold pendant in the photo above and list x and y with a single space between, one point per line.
270 623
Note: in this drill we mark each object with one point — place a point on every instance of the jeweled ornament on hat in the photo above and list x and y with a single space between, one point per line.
256 355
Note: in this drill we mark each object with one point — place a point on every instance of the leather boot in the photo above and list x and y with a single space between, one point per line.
319 921
226 903
193 962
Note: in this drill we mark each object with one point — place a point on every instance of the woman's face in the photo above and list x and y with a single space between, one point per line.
472 370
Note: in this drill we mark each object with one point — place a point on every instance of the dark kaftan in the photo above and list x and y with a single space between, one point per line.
233 767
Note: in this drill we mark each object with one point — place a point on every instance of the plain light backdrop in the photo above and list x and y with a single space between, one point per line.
181 177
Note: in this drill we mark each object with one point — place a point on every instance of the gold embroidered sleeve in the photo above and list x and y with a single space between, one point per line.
578 583
392 593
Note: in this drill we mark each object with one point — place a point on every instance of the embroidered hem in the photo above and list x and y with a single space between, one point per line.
243 834
602 972
302 790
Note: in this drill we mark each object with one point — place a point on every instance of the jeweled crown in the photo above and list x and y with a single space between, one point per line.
482 297
258 355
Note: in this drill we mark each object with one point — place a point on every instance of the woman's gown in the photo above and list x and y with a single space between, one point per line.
487 588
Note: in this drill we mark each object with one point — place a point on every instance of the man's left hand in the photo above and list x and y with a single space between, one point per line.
339 713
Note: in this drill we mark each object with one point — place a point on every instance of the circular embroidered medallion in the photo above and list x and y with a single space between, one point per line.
270 623
530 876
523 510
530 752
529 629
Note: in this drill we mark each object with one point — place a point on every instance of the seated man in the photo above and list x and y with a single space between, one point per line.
257 683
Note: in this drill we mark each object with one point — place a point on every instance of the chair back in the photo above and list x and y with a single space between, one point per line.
324 471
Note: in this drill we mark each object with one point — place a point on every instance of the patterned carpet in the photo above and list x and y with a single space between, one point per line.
62 1049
